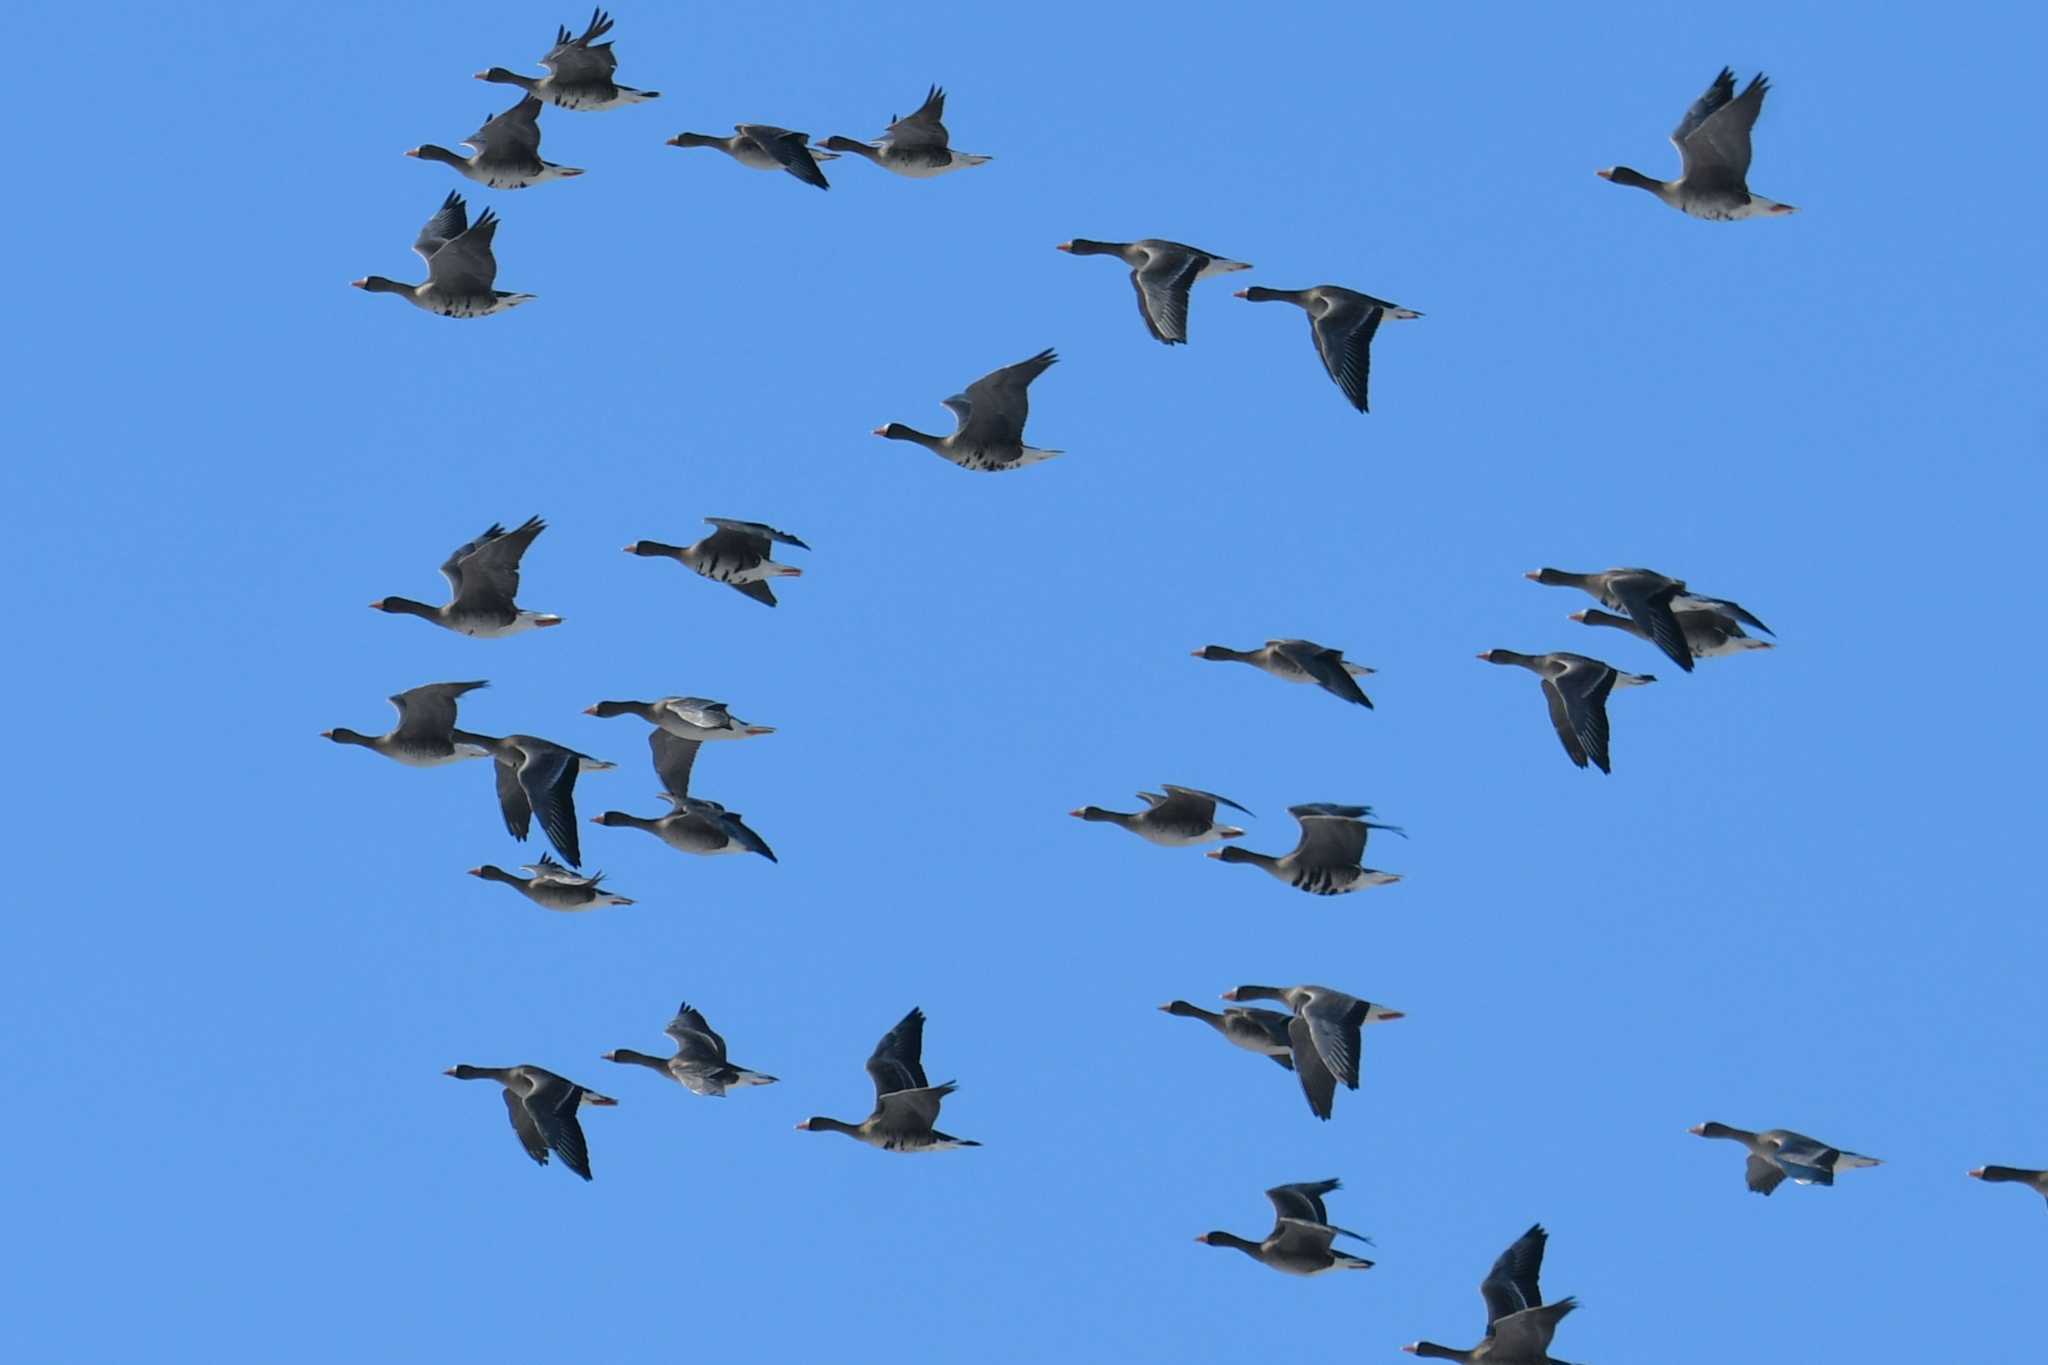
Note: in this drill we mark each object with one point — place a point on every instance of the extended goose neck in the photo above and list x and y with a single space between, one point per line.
836 143
498 75
1625 175
1429 1350
427 151
608 709
405 606
821 1124
377 284
465 1072
1081 246
1260 294
496 874
627 1055
698 140
1187 1010
1231 853
896 431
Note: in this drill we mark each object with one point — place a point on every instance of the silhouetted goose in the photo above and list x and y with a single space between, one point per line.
1713 148
737 553
1650 598
1708 634
692 825
1181 817
537 777
579 72
1299 1243
1341 322
2037 1181
991 416
764 147
1325 1035
1519 1325
700 1064
1299 661
483 578
1254 1030
1779 1152
684 717
1329 858
507 151
460 267
906 1104
914 145
543 1108
425 736
554 887
1576 688
1162 272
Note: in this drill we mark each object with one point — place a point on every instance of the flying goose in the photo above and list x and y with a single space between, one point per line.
693 825
579 72
1519 1325
1183 816
460 267
1162 272
736 553
989 436
1299 1243
914 145
1576 688
2037 1181
700 1064
538 777
764 147
554 887
1300 661
1254 1030
1341 322
906 1104
507 151
684 717
1713 149
1328 860
543 1108
1325 1036
483 578
1652 601
1708 634
1779 1152
425 736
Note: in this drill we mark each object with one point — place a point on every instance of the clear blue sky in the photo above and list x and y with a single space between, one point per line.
241 956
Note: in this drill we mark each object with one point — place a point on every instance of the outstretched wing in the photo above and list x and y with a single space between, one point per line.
584 59
513 136
994 408
896 1063
673 759
1343 334
450 221
429 712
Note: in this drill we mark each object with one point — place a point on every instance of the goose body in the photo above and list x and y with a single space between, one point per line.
1325 1036
699 1064
1576 689
461 268
737 553
543 1109
425 736
1255 1030
1300 661
916 145
1183 816
1714 154
1162 272
580 71
1328 859
554 887
1778 1153
693 718
537 778
483 580
505 151
989 436
1708 634
1342 323
1519 1325
906 1104
692 825
764 147
1300 1242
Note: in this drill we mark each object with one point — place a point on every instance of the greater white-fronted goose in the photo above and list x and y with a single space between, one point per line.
425 736
764 147
507 151
693 825
537 777
1777 1153
1328 860
580 72
736 553
1341 322
554 887
1254 1030
700 1064
460 267
483 580
915 145
1653 601
1519 1325
1183 816
2037 1181
989 437
1325 1036
1300 661
543 1108
906 1104
1299 1243
1576 688
1708 634
1162 272
1713 149
684 717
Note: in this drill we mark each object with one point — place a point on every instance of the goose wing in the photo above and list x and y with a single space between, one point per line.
896 1063
1343 331
429 712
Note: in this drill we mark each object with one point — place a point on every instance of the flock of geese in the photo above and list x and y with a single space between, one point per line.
1318 1033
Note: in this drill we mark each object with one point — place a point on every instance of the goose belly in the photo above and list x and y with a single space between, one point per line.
1178 836
1328 881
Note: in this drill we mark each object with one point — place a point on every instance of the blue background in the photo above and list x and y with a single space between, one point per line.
240 957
